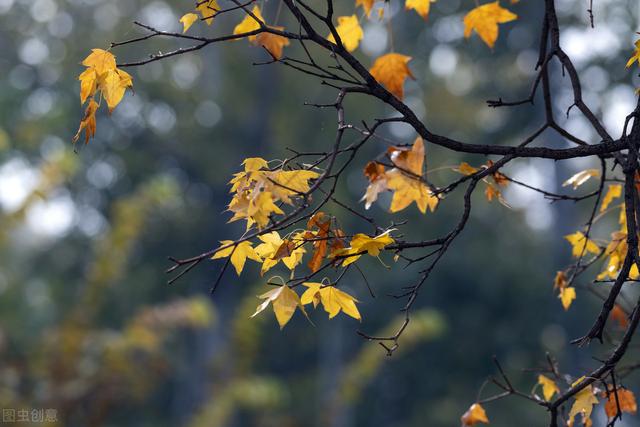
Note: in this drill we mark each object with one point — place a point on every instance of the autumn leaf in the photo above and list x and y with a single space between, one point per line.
583 403
113 86
420 6
320 240
636 55
187 21
619 315
549 387
349 31
288 184
375 172
581 177
391 70
100 60
625 398
567 295
249 23
484 21
284 302
208 10
581 245
262 207
88 80
360 244
333 300
560 280
273 43
405 180
88 122
367 5
272 251
613 192
466 169
239 254
474 415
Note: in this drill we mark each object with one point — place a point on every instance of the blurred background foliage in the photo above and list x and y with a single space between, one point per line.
88 325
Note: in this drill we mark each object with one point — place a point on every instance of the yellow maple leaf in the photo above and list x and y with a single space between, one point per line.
270 251
625 398
581 177
288 184
391 70
360 244
567 295
583 403
613 192
350 32
420 6
88 80
284 302
484 21
100 60
549 387
88 122
239 254
261 208
208 10
636 55
474 415
113 86
273 43
249 24
333 300
367 5
405 180
580 244
187 21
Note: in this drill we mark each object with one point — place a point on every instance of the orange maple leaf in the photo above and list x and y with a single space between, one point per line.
391 70
273 43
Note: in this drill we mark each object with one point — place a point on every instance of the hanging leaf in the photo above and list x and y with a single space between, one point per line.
484 21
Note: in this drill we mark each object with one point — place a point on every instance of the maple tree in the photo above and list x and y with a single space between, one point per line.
287 204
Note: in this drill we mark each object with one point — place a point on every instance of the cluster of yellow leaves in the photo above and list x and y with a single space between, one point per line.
285 300
420 6
250 24
257 189
104 80
208 10
616 251
405 179
492 189
484 20
474 415
580 246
